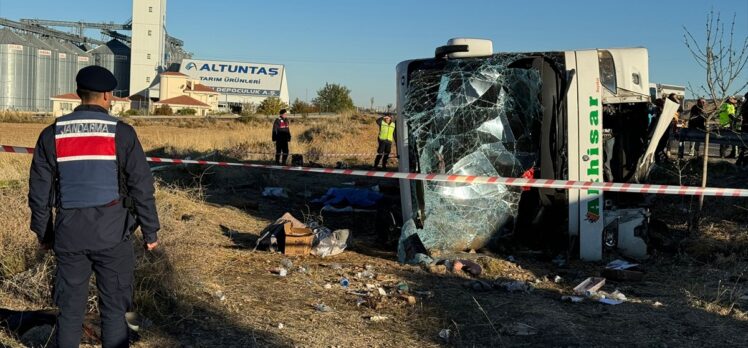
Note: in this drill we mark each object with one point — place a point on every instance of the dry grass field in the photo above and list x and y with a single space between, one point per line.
205 287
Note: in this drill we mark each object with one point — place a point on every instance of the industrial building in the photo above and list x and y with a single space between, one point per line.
38 64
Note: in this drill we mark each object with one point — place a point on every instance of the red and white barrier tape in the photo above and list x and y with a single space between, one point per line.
466 179
392 156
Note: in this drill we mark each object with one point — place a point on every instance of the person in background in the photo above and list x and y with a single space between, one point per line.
90 187
385 139
674 130
727 121
743 156
697 121
281 137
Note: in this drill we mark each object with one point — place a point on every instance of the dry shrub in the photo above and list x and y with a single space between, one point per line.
35 284
23 117
18 244
320 132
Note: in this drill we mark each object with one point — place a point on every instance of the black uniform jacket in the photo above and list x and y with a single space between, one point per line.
97 228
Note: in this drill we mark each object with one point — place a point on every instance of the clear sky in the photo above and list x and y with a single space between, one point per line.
358 43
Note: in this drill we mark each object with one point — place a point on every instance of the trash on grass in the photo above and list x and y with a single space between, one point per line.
589 286
329 243
279 271
321 307
377 318
572 299
444 334
288 264
621 264
278 192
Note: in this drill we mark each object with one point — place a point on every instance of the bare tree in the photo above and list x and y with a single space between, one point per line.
723 58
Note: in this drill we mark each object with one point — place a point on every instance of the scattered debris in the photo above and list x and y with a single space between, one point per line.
515 286
617 295
344 282
382 292
321 307
287 263
471 268
403 288
518 329
621 265
278 192
274 236
558 279
410 299
336 266
609 301
328 286
437 269
657 304
298 239
219 295
279 271
572 299
377 318
589 286
354 197
365 275
136 321
444 334
280 326
623 270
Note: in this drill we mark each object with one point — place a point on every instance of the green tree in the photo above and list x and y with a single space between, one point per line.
333 98
188 111
300 107
271 106
163 110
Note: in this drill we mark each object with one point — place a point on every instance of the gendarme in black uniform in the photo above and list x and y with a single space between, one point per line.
281 136
91 170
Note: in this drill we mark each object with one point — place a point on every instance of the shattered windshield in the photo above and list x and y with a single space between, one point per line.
470 117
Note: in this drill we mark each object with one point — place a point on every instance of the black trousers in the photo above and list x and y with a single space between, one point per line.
383 153
281 152
114 269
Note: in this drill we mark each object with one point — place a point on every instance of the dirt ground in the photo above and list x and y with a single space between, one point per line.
207 287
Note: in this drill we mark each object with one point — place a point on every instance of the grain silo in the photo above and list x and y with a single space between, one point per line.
83 60
115 56
45 65
67 63
16 69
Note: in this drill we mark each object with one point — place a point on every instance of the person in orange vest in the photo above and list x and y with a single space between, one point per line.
385 140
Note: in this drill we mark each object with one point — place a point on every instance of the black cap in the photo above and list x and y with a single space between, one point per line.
96 78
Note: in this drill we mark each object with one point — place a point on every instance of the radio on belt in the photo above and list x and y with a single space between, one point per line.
571 115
